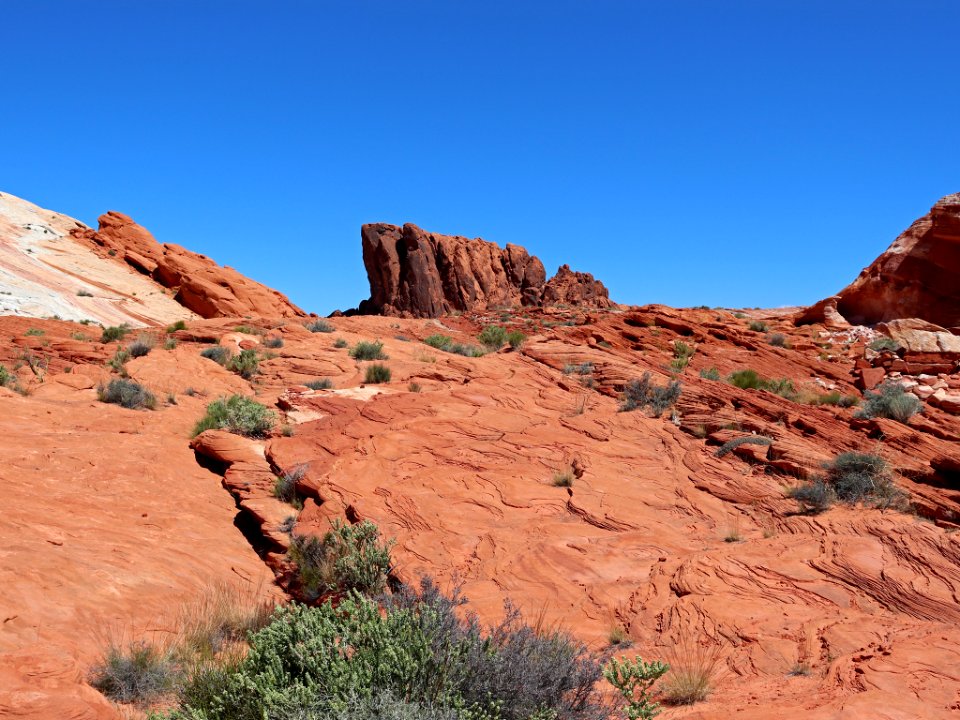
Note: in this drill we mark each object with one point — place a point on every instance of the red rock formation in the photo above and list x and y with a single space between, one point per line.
414 273
201 285
916 277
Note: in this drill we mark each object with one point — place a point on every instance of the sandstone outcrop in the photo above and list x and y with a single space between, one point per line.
414 273
208 289
916 277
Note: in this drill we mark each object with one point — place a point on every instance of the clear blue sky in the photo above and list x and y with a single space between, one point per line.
723 153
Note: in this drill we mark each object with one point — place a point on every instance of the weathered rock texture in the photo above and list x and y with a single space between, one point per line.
414 273
201 285
918 276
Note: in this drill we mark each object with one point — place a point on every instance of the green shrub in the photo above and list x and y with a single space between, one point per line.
711 374
465 350
320 326
237 414
852 478
6 377
732 445
249 330
37 332
492 337
127 394
170 343
320 384
815 496
340 343
376 374
246 364
516 339
347 557
834 397
139 673
634 679
581 369
438 341
178 325
681 355
751 380
758 326
890 400
141 346
365 350
285 486
885 343
217 353
644 393
115 332
778 340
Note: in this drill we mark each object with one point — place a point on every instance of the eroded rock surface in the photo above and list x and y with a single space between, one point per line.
414 273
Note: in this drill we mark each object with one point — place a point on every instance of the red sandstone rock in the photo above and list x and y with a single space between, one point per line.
414 273
200 284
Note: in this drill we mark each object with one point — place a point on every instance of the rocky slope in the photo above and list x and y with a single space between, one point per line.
414 273
114 517
916 277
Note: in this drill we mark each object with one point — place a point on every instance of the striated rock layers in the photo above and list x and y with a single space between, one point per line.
200 284
414 273
916 277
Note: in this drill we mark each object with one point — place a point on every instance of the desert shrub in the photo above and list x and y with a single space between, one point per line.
320 384
751 380
377 373
644 393
246 364
633 680
178 325
127 394
778 340
711 374
890 400
217 353
516 339
438 341
681 355
118 363
219 620
138 673
782 387
36 332
285 486
563 478
170 343
312 663
366 350
249 330
84 293
834 397
815 496
693 668
347 557
320 326
739 315
237 414
114 332
581 369
465 350
851 477
141 346
340 343
6 377
732 445
414 387
492 337
885 343
273 342
758 326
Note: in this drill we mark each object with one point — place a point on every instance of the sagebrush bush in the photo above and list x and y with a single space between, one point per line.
366 350
285 486
492 337
711 374
340 343
178 325
644 393
320 384
516 339
114 332
320 326
217 353
732 445
681 355
778 340
237 414
889 400
563 478
885 343
376 374
815 496
438 341
127 394
751 380
851 477
138 673
465 350
273 342
141 346
347 557
758 326
246 364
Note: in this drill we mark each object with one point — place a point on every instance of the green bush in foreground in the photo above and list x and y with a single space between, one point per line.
634 679
366 350
376 374
128 394
237 414
516 339
492 337
347 557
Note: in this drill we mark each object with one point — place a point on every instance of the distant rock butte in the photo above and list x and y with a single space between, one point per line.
916 277
200 284
414 273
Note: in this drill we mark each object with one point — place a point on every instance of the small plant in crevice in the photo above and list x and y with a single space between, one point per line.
237 414
347 557
376 374
751 380
118 363
84 293
217 353
563 478
170 343
319 384
414 387
141 346
128 394
682 353
778 340
644 393
367 350
492 337
249 330
516 339
34 332
438 341
319 326
285 486
618 637
889 400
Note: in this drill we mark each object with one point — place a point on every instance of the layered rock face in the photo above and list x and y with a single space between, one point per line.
414 273
916 277
201 285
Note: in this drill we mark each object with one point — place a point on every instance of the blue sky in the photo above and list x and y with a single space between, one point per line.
723 153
